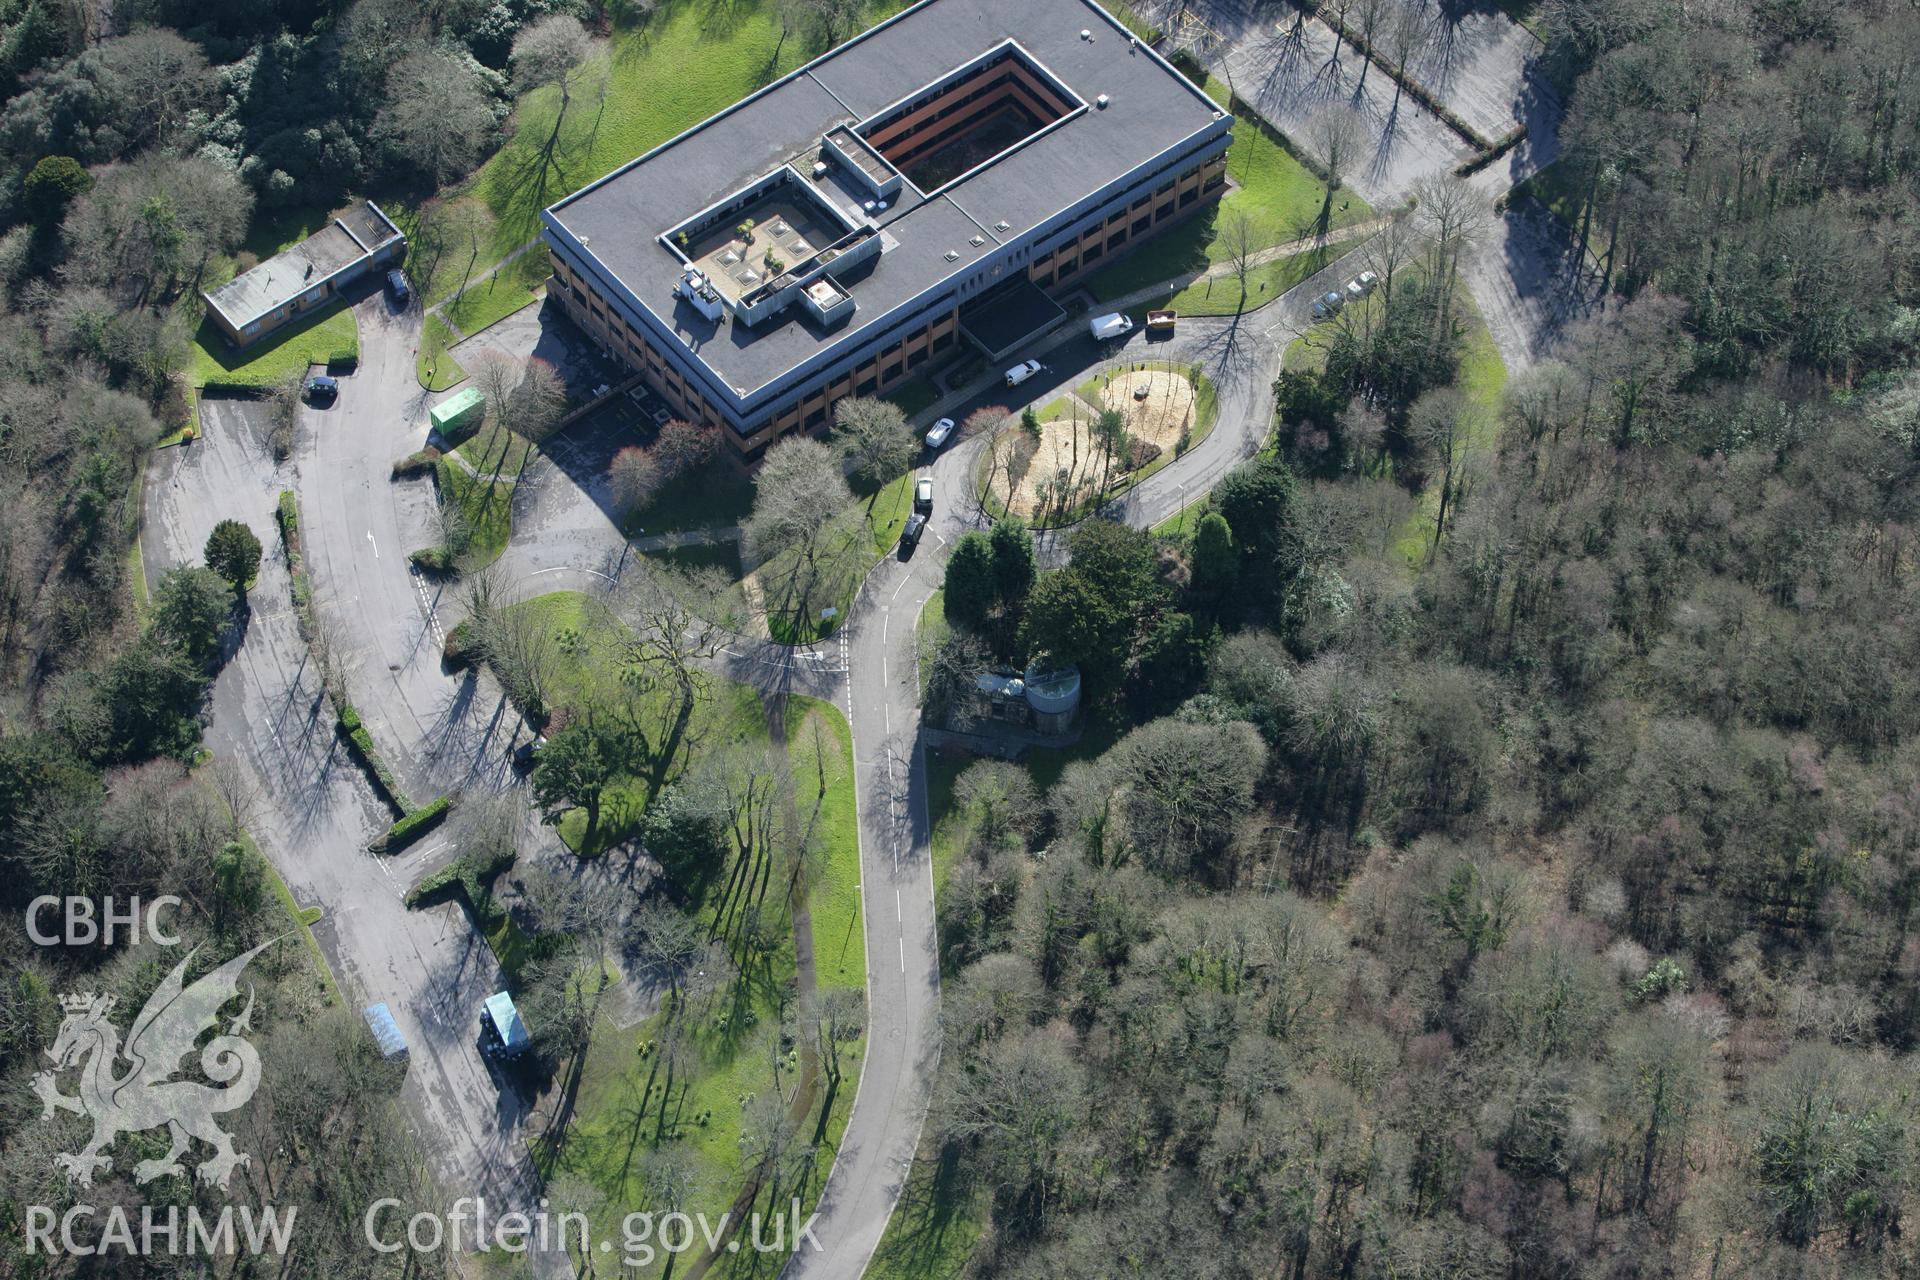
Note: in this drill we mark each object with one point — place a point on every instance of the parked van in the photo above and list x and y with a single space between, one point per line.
1114 325
1022 371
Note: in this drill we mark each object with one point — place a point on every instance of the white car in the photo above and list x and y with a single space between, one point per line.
1022 371
1367 280
940 433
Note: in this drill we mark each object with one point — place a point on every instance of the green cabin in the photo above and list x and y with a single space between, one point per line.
458 414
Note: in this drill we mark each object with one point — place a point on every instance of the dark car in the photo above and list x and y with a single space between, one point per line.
527 754
910 536
397 286
923 495
322 390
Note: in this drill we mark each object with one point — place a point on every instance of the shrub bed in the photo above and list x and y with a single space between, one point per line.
432 560
388 787
413 826
471 877
418 463
287 516
460 650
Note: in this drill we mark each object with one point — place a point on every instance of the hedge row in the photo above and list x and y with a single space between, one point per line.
469 875
355 732
416 824
287 516
1474 164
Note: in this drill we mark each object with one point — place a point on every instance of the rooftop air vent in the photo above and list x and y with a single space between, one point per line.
952 255
819 168
1102 101
1002 225
977 241
1085 34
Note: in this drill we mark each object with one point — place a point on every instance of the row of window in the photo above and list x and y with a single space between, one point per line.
887 366
1077 255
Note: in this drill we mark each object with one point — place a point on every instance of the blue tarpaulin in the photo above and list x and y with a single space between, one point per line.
386 1032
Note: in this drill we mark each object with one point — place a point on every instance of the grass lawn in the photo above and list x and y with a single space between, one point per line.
693 1083
716 496
820 755
488 506
586 675
319 338
269 233
662 76
1279 195
495 449
914 395
932 632
500 294
1483 376
793 592
1223 295
435 366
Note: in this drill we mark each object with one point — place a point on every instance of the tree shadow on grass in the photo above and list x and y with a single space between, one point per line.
931 1216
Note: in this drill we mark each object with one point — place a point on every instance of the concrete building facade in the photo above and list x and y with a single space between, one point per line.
855 222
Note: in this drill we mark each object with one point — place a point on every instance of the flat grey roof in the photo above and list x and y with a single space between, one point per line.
353 234
286 275
1152 109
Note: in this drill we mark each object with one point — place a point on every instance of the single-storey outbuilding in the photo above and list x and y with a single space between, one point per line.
307 276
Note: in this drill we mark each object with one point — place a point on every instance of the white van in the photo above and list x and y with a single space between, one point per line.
1114 325
1022 371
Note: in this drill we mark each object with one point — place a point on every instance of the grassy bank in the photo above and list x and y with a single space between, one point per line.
1280 197
791 592
324 337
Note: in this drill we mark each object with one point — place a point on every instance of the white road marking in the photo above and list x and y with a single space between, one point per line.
564 568
376 546
897 590
903 953
898 914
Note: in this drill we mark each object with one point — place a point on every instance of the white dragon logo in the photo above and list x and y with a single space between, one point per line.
146 1096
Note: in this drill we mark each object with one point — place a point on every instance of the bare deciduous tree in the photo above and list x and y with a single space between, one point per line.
634 478
798 491
548 51
874 437
436 121
1335 133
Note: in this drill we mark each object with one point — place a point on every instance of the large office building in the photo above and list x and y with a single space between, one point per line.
935 181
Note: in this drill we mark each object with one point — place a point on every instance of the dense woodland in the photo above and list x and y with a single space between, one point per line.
141 146
1545 906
